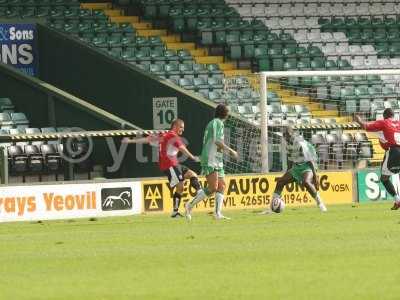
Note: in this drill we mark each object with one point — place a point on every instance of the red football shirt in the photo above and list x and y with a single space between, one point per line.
169 144
388 131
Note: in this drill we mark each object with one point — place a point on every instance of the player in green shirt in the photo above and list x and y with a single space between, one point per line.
304 159
212 164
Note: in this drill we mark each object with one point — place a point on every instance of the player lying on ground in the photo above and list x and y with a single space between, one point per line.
212 165
389 138
170 144
304 158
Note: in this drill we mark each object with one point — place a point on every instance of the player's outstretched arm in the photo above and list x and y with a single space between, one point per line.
223 147
143 140
360 121
186 152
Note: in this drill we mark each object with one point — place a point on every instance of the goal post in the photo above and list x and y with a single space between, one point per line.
320 103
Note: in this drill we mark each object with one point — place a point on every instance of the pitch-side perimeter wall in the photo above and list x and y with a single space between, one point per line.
252 191
101 198
370 188
70 200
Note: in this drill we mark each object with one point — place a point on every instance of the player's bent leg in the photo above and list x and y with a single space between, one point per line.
282 181
280 184
385 179
310 187
202 194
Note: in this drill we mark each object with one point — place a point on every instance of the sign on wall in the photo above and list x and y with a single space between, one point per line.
253 191
64 201
371 189
165 110
18 47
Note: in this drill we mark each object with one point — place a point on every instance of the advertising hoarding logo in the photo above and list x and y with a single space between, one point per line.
153 197
116 198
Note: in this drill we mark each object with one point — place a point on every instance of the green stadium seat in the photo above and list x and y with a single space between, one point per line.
127 41
6 105
215 96
213 69
365 105
186 69
172 70
275 53
367 35
262 58
278 64
100 42
200 84
186 83
128 55
382 49
360 79
155 41
215 83
170 55
373 79
157 55
301 52
375 92
388 92
142 56
184 55
141 41
19 119
115 52
200 70
304 64
318 63
114 41
290 64
126 28
361 92
157 69
289 52
344 64
354 35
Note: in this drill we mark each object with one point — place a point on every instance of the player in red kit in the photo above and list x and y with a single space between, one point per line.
388 130
170 144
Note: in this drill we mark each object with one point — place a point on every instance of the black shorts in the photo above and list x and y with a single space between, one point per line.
176 174
391 161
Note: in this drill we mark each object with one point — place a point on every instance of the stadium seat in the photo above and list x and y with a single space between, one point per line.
35 158
18 161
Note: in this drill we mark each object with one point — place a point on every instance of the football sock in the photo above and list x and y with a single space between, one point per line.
177 201
318 199
194 182
201 195
219 199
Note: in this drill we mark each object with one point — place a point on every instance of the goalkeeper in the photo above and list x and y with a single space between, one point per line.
303 171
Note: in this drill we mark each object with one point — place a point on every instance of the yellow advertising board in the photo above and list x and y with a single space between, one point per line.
251 191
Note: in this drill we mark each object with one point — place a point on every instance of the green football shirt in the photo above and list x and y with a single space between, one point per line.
210 155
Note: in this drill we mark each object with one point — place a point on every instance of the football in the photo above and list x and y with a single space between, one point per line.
277 205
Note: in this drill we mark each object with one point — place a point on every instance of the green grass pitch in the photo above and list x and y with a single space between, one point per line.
347 253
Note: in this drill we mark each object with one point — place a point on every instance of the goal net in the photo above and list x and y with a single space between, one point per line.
320 105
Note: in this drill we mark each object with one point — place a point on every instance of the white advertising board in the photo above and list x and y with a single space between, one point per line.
68 201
